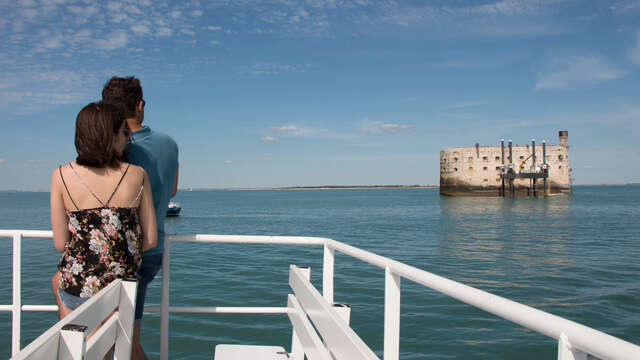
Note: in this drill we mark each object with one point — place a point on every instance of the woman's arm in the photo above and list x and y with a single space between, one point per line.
147 216
59 220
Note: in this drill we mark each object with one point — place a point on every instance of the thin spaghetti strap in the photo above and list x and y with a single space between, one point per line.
139 193
86 186
117 186
66 188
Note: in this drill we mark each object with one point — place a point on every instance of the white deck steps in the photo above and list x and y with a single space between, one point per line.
320 330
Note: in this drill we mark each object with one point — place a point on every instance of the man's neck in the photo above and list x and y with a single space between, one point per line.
133 123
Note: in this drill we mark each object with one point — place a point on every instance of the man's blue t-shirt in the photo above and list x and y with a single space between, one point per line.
157 153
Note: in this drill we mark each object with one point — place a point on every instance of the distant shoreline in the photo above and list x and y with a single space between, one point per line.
346 187
323 187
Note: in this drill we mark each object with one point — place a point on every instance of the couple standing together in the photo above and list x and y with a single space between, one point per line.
108 206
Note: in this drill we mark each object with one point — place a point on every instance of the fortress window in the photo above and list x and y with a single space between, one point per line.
560 167
455 169
498 168
455 159
497 158
470 158
487 180
485 158
521 157
470 168
484 168
559 157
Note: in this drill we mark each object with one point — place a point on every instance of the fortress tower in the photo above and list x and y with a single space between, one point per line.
476 170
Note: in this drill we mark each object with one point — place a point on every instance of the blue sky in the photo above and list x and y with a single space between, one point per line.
326 92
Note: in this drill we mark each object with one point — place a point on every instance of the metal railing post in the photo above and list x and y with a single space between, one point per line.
17 299
164 303
566 351
327 273
391 315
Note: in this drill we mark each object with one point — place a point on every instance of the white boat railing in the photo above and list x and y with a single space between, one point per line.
110 312
575 340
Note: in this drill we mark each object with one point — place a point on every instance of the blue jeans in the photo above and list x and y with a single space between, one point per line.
149 268
70 301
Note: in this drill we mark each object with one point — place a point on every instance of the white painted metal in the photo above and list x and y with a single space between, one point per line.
327 273
103 339
71 345
248 239
164 304
339 338
344 310
588 340
126 314
89 314
314 349
219 310
244 352
566 352
391 315
17 298
583 339
39 308
297 350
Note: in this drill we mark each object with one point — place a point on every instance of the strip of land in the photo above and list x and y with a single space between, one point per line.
347 187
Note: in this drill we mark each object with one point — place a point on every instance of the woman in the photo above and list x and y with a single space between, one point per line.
101 209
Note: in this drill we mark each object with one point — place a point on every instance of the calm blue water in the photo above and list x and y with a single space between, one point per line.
574 256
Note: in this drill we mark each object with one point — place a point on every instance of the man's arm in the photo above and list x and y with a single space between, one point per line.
175 184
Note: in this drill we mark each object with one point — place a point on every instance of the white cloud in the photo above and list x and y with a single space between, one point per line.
213 28
267 68
268 139
228 162
288 128
187 32
53 42
394 128
114 6
196 13
140 29
575 71
634 52
164 32
132 9
115 40
214 42
83 11
291 129
175 14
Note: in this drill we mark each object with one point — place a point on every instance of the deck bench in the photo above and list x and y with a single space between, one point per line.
320 330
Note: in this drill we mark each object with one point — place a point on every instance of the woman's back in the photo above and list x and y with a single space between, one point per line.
89 188
105 242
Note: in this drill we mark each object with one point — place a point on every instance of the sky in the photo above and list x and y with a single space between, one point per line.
270 93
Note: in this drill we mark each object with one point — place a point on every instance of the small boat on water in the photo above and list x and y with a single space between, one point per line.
173 209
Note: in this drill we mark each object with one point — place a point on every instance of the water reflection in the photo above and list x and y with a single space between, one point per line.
497 242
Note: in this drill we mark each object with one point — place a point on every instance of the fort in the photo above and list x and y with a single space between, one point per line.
511 170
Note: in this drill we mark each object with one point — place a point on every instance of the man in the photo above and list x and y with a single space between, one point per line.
157 153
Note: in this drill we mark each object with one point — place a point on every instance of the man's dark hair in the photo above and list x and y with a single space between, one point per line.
125 91
97 124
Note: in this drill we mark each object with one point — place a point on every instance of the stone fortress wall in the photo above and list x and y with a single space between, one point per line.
475 170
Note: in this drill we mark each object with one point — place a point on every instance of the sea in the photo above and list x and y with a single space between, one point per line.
576 256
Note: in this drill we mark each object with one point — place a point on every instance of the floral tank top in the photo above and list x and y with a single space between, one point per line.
105 244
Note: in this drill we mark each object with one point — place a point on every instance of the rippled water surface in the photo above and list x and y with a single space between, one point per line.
574 256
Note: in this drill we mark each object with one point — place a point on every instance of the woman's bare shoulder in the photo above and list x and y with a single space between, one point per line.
137 170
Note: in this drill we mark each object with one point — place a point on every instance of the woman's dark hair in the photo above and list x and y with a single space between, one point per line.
97 125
